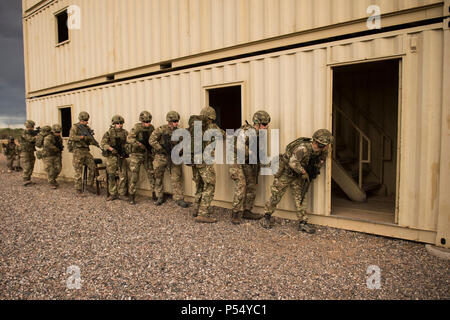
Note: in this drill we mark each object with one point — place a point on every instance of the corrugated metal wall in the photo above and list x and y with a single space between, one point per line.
421 133
294 87
119 35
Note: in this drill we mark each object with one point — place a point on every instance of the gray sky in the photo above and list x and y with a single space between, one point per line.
12 79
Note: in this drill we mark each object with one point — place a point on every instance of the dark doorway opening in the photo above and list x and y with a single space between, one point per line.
227 101
66 120
365 125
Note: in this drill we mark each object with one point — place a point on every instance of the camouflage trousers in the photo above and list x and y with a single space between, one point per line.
136 161
160 164
12 161
53 167
28 160
117 170
244 176
80 158
204 177
281 183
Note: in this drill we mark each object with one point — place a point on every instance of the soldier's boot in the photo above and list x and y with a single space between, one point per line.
235 218
195 210
268 221
131 199
182 204
80 193
160 201
205 219
112 197
304 227
53 186
91 189
154 196
250 215
28 183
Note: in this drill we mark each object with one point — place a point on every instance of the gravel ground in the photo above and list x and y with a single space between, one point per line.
149 252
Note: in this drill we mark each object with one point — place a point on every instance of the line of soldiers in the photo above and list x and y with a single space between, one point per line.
151 148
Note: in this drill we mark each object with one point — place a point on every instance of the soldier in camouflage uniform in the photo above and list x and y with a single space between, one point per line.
204 175
11 151
113 143
305 156
245 175
81 153
52 155
160 141
141 154
27 143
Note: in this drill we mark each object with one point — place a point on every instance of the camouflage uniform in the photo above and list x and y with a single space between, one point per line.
27 143
245 175
204 175
139 154
292 173
116 163
163 160
82 155
52 155
11 151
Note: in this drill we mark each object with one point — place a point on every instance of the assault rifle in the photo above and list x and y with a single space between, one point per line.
87 132
35 132
313 170
143 139
59 144
167 145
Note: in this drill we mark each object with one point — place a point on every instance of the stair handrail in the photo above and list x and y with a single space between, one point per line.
375 124
362 137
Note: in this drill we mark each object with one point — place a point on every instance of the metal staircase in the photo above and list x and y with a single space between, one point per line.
352 163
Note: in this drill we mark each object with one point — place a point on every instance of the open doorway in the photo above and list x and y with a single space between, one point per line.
227 101
365 125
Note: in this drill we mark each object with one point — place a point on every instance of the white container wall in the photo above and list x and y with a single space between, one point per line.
118 35
295 88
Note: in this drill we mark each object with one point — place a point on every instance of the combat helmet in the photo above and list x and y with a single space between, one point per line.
145 116
11 138
46 130
117 119
260 117
323 137
56 128
29 124
83 116
172 116
209 113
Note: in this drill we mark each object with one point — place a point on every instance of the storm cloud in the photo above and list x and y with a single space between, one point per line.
12 80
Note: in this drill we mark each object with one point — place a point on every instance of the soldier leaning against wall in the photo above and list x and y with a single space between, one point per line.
299 165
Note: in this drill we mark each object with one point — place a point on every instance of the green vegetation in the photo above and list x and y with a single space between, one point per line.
6 132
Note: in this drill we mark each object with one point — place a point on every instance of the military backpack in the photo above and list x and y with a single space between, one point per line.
191 128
